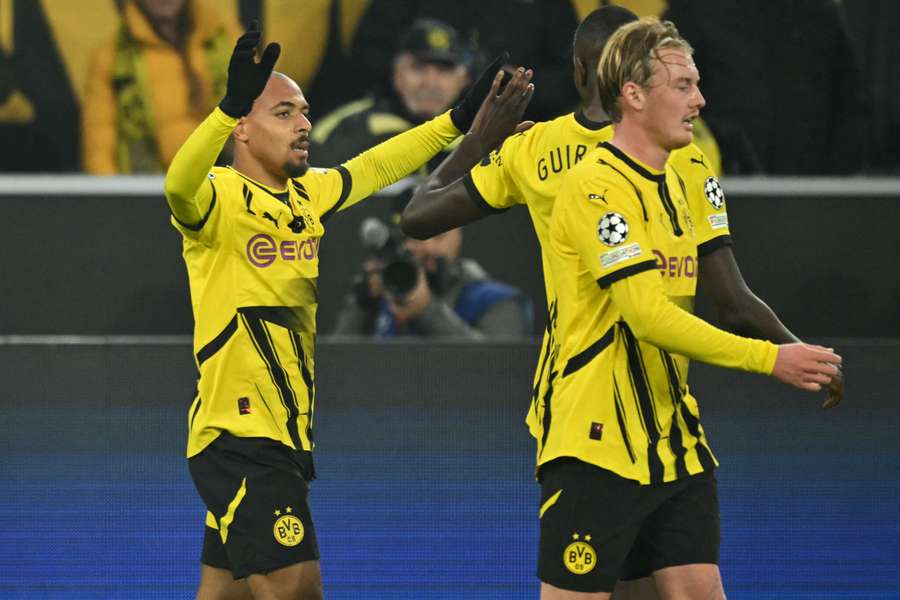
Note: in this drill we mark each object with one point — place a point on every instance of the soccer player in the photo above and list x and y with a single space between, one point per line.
626 470
251 239
529 169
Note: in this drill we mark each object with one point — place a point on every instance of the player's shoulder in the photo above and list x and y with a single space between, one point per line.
224 177
690 159
599 165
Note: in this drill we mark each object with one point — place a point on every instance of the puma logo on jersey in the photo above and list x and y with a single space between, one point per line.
598 196
698 161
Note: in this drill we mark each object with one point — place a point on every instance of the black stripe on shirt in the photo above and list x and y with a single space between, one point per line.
607 280
644 402
710 246
633 165
548 416
346 186
307 379
588 354
620 417
666 199
300 189
194 414
476 197
676 440
266 350
637 190
217 342
693 425
199 225
545 355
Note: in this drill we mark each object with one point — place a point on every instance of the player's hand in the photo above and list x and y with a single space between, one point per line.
463 114
499 115
835 390
806 366
246 77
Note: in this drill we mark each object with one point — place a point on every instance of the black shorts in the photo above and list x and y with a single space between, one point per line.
255 492
598 527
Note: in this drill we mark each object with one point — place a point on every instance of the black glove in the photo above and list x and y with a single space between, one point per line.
464 113
246 77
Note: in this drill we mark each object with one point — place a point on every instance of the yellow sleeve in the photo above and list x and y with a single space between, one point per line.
493 182
705 198
189 189
389 162
655 319
99 117
608 226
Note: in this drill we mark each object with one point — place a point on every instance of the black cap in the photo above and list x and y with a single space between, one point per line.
431 40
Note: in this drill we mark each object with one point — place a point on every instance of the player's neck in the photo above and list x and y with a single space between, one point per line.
593 110
637 142
258 173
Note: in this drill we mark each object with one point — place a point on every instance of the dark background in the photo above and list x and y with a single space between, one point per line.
425 487
88 264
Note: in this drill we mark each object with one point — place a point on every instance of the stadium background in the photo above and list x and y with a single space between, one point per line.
425 485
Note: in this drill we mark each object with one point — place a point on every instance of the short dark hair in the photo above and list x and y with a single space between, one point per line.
596 28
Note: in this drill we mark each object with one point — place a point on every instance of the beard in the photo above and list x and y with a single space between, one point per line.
293 170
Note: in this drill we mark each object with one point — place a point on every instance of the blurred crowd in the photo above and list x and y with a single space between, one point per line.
793 87
114 86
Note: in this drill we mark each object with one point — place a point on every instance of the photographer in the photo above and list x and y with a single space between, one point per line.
423 288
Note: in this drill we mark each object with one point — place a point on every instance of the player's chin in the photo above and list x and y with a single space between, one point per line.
679 140
296 168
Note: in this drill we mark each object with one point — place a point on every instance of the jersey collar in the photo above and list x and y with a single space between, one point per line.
638 167
582 120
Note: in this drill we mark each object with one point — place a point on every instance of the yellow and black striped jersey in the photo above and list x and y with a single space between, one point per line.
529 169
253 265
623 243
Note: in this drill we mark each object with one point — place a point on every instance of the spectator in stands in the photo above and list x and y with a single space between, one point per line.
424 288
153 83
784 91
537 33
429 74
43 54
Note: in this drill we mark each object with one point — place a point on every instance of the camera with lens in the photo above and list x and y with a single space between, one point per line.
400 273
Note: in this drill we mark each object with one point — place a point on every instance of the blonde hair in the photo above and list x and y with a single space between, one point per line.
628 57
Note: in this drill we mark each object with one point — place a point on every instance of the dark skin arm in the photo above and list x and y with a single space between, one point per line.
442 202
742 312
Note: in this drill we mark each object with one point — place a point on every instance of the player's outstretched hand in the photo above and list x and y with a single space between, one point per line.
835 390
464 113
499 114
806 366
246 77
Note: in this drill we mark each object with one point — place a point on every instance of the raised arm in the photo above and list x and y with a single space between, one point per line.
444 201
187 189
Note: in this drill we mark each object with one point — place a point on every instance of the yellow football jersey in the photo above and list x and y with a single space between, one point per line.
621 403
253 264
529 169
252 267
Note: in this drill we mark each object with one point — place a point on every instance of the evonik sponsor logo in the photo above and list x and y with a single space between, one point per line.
263 250
676 266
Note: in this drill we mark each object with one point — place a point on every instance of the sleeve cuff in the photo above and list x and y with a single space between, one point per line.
607 280
223 119
476 197
710 246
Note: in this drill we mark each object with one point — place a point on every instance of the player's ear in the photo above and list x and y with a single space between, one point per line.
633 96
580 72
240 131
